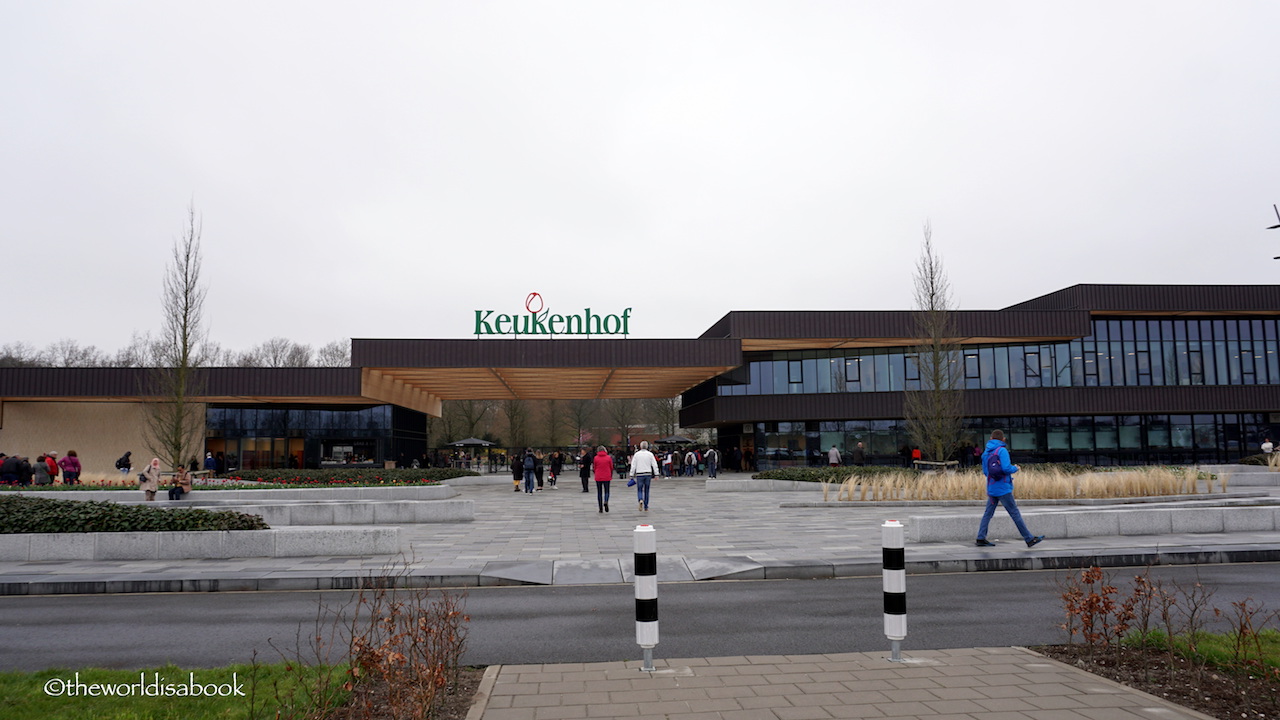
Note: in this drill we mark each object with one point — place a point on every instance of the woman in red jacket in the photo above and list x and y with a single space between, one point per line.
603 466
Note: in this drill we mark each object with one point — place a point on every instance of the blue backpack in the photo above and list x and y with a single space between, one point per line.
995 469
528 462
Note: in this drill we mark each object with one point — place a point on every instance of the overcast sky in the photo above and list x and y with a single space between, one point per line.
385 169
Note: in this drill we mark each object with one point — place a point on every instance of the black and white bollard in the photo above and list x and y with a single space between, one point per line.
646 545
895 585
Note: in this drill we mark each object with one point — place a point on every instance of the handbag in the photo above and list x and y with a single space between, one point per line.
631 482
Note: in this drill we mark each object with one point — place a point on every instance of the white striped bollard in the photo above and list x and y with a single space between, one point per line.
646 546
895 585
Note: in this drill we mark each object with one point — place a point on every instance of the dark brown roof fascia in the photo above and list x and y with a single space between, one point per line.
1160 299
898 324
542 353
18 383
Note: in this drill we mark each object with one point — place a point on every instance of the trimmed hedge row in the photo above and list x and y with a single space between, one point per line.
337 477
840 474
1259 459
829 474
22 514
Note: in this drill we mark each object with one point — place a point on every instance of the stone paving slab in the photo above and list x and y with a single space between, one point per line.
1004 683
520 538
586 572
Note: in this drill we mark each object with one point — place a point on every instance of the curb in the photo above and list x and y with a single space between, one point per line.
481 701
698 569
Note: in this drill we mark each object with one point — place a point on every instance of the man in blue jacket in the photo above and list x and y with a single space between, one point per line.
999 472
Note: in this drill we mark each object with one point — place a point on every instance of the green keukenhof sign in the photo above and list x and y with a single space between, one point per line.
538 320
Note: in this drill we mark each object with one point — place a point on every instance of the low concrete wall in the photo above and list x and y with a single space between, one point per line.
406 492
215 544
1095 523
1245 475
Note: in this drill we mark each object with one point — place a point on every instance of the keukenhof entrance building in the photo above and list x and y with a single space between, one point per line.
1095 374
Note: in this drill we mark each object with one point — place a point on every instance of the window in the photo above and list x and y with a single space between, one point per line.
795 371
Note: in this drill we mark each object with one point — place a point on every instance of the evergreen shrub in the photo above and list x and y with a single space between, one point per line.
23 514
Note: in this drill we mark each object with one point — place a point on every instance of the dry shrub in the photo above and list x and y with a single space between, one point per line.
403 648
1031 483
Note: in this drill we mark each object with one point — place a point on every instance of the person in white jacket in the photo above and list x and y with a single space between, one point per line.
643 467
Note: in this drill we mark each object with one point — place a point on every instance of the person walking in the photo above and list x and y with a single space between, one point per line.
667 458
689 462
859 455
999 472
181 484
584 468
643 467
70 468
713 461
517 472
149 480
833 456
603 467
537 468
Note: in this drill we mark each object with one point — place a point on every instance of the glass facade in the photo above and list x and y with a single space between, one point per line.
1121 352
312 436
1087 440
1128 352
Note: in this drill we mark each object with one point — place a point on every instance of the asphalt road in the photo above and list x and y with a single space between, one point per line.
585 623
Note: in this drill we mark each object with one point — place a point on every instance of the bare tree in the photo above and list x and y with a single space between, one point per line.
138 353
935 408
69 353
463 418
516 413
20 354
623 415
663 414
277 352
334 354
175 422
582 413
554 418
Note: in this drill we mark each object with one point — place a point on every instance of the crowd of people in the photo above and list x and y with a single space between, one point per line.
534 470
21 470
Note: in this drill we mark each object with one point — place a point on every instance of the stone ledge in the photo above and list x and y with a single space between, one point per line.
209 544
1096 523
403 492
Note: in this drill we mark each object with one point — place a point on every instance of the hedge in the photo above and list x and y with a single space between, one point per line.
337 477
840 474
23 514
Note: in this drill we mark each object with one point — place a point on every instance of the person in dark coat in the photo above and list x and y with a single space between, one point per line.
25 471
584 469
9 469
557 464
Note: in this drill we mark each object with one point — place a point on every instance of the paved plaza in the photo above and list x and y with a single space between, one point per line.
557 537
